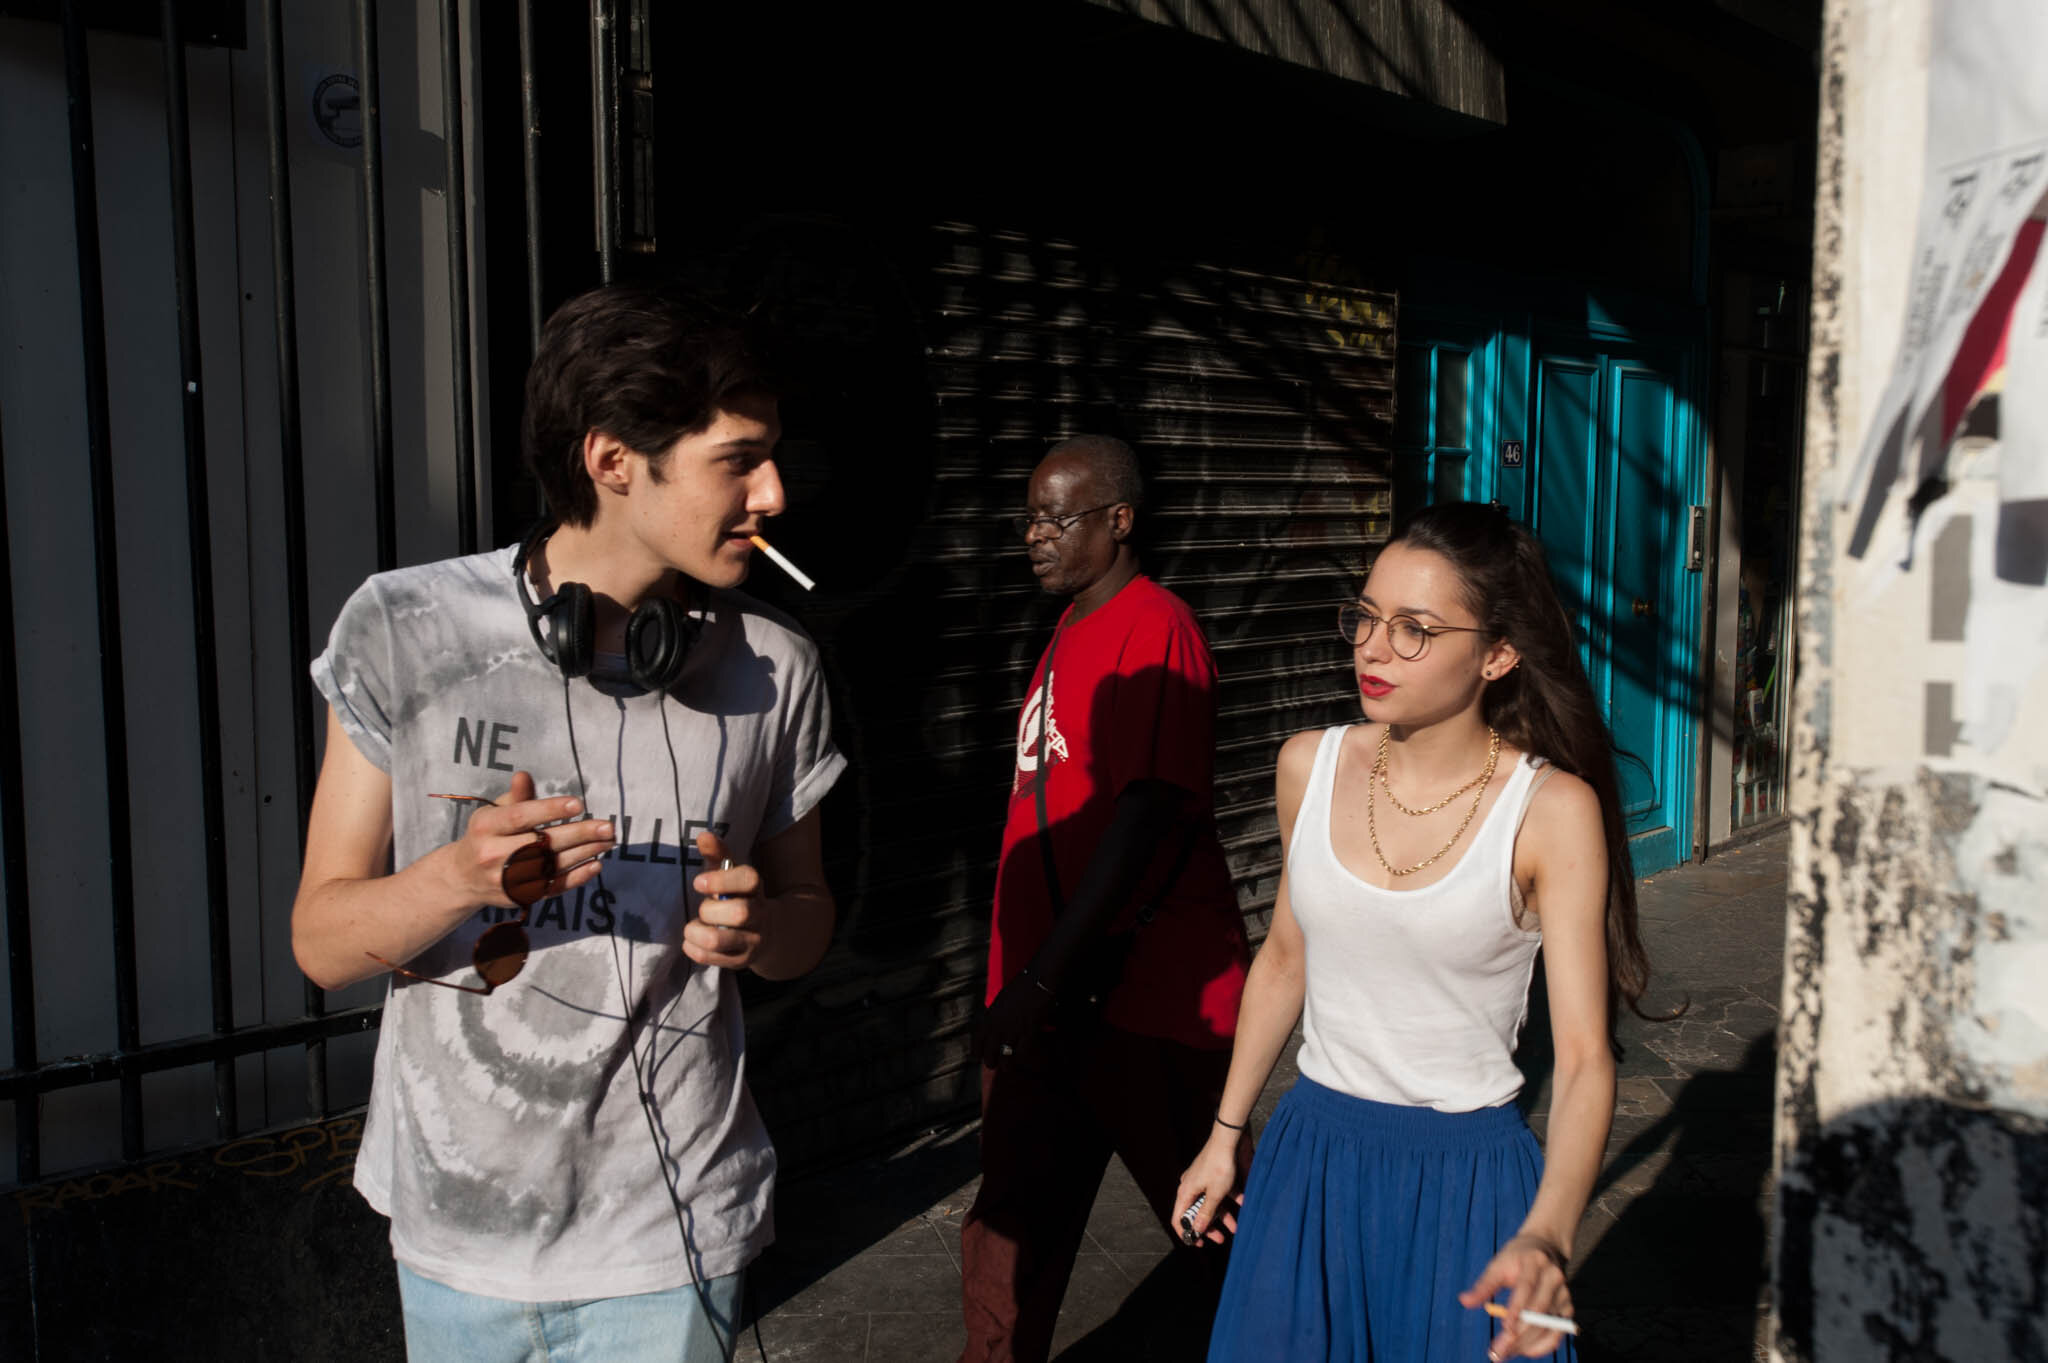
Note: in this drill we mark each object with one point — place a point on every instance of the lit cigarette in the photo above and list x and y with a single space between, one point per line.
1564 1325
772 552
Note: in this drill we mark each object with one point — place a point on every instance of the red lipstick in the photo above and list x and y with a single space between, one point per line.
1374 687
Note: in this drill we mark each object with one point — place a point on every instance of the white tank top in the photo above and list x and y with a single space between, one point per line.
1413 996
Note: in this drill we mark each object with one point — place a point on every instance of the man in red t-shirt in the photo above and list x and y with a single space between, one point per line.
1112 887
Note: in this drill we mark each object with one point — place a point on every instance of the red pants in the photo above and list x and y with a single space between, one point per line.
1046 1137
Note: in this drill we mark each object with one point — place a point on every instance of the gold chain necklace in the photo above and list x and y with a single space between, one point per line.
1379 774
1380 770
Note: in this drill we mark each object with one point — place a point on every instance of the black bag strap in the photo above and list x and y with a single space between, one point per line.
1052 870
1151 907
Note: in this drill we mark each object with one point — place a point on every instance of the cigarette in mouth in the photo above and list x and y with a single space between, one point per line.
783 563
1564 1325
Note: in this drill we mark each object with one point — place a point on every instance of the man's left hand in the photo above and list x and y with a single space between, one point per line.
733 917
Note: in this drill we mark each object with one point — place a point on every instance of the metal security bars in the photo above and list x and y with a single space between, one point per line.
199 531
292 462
375 281
278 500
604 84
14 866
113 714
457 203
529 165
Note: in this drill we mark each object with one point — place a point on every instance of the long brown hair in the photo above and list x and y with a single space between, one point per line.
1545 706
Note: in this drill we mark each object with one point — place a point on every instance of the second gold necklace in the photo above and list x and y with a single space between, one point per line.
1379 775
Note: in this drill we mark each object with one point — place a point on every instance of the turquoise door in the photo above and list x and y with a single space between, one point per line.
1609 469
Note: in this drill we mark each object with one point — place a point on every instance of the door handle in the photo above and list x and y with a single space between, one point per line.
1643 607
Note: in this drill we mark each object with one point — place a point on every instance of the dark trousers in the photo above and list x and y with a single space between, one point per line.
1047 1133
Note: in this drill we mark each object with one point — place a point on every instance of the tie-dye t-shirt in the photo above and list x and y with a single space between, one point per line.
506 1138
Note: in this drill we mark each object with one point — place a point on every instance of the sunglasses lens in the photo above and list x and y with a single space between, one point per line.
500 953
527 873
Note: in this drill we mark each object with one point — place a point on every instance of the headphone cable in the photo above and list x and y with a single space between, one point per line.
675 775
643 1074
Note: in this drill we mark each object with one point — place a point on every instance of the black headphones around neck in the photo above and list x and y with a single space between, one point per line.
658 633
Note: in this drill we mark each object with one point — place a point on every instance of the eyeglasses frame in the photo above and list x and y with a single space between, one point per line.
1060 524
1358 640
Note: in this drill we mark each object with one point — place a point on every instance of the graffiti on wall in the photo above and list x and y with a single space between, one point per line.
315 1155
1363 321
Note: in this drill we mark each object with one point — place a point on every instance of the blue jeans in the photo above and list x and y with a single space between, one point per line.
443 1325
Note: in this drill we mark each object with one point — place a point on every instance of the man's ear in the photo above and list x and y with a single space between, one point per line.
1121 519
606 461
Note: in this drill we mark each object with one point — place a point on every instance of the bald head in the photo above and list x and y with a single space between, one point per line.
1111 465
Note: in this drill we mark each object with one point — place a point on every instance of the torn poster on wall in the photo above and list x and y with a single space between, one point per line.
1960 437
1973 255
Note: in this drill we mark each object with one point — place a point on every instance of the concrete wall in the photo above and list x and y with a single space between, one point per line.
1912 1124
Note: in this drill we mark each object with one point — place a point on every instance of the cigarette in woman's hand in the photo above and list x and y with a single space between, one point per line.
1564 1325
783 563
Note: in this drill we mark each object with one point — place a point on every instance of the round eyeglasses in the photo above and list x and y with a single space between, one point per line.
1052 527
1406 635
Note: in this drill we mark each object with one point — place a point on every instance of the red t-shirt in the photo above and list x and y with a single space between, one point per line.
1133 695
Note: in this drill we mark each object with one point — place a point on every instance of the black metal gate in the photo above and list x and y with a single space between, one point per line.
511 96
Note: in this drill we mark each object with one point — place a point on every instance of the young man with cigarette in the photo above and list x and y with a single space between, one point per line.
570 789
1116 954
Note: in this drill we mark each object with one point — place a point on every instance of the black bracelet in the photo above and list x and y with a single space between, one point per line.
1231 1126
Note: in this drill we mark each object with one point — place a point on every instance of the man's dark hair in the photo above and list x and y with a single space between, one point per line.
1112 460
644 363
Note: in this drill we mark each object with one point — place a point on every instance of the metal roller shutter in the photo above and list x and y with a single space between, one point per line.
1262 407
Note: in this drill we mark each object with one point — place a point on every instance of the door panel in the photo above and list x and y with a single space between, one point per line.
1567 445
1643 425
1608 479
1439 422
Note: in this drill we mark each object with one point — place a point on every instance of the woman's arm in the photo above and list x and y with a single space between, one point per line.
1265 1019
1563 850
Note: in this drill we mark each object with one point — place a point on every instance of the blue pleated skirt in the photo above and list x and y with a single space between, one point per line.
1362 1222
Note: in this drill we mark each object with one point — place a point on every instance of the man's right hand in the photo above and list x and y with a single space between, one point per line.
474 864
353 911
1016 1021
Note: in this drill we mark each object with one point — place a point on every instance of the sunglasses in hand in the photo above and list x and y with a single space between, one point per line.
500 953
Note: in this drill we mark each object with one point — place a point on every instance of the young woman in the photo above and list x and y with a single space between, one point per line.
1429 853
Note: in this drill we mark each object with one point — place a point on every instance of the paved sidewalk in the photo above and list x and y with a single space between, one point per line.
1670 1265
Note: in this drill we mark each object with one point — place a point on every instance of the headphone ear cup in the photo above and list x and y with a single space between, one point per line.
574 624
658 638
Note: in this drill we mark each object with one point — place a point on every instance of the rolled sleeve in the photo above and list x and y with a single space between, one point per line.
354 674
809 761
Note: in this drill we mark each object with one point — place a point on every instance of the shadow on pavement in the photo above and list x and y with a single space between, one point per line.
1166 1318
826 1219
1677 1277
